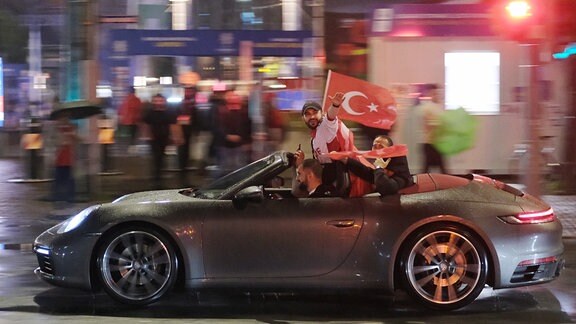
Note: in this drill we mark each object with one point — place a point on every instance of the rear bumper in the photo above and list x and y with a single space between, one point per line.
538 271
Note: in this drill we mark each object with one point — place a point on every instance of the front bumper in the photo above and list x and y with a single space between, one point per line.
65 259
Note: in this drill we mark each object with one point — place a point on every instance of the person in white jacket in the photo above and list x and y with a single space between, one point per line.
430 111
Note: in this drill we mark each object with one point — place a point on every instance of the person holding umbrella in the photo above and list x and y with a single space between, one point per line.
64 187
66 140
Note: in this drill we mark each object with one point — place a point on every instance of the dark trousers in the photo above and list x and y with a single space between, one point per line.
64 188
432 158
386 185
158 149
132 133
184 149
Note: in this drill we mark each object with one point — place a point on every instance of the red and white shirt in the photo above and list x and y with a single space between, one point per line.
331 135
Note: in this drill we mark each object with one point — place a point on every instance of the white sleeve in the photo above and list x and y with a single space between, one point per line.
327 129
325 133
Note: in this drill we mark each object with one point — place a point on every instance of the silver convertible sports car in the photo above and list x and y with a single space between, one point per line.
442 240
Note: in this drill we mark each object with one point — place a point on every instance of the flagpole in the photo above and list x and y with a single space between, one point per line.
326 89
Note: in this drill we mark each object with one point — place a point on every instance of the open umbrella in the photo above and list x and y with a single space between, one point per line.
456 132
78 109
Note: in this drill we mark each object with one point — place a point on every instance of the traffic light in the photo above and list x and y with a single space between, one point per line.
519 10
517 20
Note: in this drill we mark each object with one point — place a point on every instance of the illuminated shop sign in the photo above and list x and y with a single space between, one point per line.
434 20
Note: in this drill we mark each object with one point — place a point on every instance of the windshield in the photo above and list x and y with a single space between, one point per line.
221 185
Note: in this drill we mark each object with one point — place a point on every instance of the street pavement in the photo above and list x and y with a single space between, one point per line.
26 210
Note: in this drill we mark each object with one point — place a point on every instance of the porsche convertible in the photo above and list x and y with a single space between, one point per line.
442 240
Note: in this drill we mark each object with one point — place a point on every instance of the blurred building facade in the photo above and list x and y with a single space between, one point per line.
360 38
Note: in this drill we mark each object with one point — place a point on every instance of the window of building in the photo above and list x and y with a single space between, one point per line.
473 81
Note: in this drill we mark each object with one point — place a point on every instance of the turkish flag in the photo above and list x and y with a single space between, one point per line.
386 152
363 102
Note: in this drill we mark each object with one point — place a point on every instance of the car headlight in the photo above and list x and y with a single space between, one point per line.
75 221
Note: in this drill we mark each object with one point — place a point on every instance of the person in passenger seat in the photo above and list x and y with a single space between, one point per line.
388 175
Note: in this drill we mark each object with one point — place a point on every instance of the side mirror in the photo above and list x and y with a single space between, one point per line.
252 194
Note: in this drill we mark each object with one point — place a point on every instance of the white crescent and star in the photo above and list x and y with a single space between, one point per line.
346 103
373 107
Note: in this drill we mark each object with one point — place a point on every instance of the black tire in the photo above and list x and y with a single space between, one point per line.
444 267
137 266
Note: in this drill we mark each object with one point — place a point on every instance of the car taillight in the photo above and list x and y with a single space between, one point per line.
531 217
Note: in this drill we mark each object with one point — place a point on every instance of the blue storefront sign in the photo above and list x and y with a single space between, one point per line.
121 45
208 42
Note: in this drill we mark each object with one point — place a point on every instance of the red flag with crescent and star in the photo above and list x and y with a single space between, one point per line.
363 102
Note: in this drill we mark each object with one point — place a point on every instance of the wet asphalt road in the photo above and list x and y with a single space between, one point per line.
25 212
26 299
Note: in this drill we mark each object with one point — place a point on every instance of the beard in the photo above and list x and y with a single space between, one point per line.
302 186
313 123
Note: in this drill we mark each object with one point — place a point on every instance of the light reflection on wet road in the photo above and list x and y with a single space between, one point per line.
25 298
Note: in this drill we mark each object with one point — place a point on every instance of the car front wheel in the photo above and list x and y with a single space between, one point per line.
137 266
444 267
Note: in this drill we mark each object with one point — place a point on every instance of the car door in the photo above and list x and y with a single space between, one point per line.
280 238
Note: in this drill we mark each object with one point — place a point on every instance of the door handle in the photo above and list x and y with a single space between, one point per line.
341 223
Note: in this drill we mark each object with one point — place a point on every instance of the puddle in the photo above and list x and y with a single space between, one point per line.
17 247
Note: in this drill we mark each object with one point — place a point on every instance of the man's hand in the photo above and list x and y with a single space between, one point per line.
381 163
298 157
337 99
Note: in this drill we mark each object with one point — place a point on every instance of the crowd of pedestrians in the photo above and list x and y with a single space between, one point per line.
237 127
224 115
228 117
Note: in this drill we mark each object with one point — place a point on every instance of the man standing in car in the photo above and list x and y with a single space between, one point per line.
329 134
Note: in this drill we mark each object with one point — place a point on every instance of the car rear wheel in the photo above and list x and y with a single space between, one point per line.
137 266
444 267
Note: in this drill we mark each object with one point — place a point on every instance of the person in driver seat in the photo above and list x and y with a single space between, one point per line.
309 177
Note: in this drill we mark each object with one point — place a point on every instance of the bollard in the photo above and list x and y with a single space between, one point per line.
32 143
106 139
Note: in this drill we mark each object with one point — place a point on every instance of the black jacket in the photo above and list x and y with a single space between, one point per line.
159 122
231 122
323 190
398 165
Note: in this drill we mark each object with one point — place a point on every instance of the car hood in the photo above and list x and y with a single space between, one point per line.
153 196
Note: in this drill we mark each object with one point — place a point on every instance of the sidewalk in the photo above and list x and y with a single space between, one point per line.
25 207
25 210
